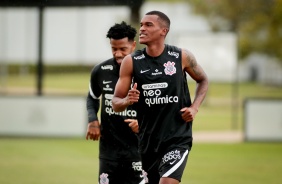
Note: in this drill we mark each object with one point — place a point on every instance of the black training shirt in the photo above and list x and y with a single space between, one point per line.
117 140
163 93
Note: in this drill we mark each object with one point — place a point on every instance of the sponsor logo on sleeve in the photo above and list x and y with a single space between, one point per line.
175 54
107 67
139 57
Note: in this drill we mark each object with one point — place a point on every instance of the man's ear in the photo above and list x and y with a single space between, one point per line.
133 45
164 31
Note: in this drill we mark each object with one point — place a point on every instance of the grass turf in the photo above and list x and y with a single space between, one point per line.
73 161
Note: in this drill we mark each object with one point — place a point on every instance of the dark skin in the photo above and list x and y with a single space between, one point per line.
93 131
152 34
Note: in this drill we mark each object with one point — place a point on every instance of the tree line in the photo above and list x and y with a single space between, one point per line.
258 23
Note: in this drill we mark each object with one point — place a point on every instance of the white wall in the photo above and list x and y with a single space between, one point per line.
43 116
263 119
71 35
78 36
216 53
18 34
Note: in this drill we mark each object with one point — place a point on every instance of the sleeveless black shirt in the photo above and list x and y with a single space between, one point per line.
163 93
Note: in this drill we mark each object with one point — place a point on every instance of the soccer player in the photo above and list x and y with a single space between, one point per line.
119 159
161 94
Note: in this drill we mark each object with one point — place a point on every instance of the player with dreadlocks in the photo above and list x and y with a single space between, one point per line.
119 159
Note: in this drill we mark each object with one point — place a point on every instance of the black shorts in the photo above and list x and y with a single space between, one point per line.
120 172
170 164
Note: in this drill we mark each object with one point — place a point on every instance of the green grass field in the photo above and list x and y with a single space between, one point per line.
75 161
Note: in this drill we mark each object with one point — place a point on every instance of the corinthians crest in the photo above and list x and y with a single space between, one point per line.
169 68
104 178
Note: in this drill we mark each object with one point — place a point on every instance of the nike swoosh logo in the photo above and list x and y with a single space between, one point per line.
106 82
172 162
143 71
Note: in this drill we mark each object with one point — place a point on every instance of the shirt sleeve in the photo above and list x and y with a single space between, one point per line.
92 106
92 100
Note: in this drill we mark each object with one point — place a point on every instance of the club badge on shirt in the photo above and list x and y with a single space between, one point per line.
169 68
104 178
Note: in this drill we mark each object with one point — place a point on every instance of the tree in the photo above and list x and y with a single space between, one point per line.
258 23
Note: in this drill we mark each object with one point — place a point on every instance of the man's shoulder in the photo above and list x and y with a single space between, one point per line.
173 51
173 48
106 62
105 65
138 54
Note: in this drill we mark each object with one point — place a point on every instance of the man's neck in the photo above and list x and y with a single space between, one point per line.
155 50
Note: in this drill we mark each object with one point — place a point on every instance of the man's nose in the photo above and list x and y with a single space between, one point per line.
117 53
141 29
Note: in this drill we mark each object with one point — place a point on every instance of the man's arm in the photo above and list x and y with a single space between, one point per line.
92 105
190 65
123 95
93 128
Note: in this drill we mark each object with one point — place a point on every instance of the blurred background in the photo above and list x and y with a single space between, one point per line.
48 49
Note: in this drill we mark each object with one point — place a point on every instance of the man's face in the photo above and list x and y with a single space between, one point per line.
121 48
150 29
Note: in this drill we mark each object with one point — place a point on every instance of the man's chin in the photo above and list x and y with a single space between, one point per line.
119 61
141 41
